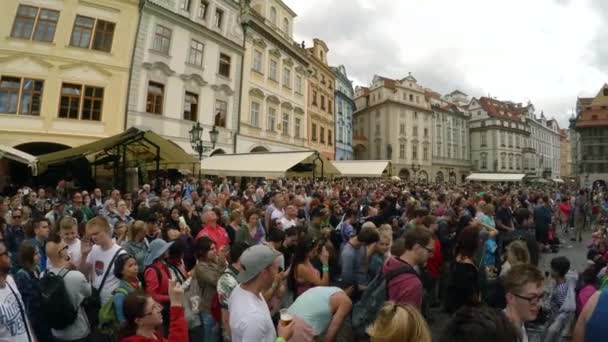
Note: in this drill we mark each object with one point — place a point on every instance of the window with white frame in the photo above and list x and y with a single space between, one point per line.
272 117
297 127
257 60
286 77
203 9
299 84
255 114
401 151
219 18
196 53
484 139
273 71
484 160
184 5
285 125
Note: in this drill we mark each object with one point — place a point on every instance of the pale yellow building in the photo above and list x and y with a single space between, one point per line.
275 72
320 112
64 71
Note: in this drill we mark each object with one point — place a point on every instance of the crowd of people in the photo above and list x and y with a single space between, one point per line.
301 260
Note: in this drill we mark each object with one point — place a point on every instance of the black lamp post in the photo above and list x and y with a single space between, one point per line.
196 134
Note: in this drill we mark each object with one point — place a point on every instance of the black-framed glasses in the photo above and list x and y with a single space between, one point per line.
17 217
430 250
533 300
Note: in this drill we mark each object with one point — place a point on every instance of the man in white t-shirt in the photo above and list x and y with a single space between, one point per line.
279 208
14 326
249 315
289 220
97 260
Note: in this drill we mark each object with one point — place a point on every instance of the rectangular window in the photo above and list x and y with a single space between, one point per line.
184 5
415 131
46 25
190 106
402 129
273 75
329 107
425 153
339 107
484 139
82 32
75 103
24 22
322 134
257 60
221 112
340 133
255 114
22 96
297 125
411 98
202 9
314 97
401 151
330 139
285 124
219 18
286 78
426 132
299 84
415 152
377 128
322 102
104 35
484 161
224 65
162 40
154 102
314 132
272 116
196 53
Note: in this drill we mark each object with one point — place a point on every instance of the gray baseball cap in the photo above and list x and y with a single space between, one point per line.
254 260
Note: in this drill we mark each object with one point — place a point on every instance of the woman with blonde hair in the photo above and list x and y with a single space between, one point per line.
136 244
399 323
516 253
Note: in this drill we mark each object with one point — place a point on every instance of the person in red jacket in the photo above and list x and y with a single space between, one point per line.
143 315
435 261
157 276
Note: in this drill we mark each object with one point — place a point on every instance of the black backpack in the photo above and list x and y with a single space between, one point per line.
55 304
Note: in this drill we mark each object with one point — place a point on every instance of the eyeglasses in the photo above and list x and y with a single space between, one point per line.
430 250
17 217
533 300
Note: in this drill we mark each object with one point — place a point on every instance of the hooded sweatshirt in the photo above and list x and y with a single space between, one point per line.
178 329
405 288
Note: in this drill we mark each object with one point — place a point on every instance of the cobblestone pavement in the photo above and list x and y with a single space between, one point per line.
577 254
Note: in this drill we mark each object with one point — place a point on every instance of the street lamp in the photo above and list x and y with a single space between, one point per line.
196 141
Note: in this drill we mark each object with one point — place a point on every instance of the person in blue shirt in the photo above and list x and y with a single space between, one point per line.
41 235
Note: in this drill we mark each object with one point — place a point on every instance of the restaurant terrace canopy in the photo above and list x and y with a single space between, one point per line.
496 177
363 168
269 165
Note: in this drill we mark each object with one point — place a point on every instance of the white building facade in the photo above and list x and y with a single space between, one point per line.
187 69
544 139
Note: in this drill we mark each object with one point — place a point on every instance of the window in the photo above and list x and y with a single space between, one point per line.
196 53
340 107
415 152
221 111
415 115
74 105
82 32
322 135
190 106
314 97
257 61
449 150
502 138
285 124
298 123
517 141
219 18
287 77
439 148
202 9
273 15
274 70
22 96
401 151
484 161
314 132
330 140
510 140
425 153
417 99
24 22
41 22
104 35
510 162
162 40
154 102
402 128
299 84
255 114
415 131
329 107
426 132
272 115
484 139
224 65
340 133
285 25
411 98
503 161
184 5
517 162
322 102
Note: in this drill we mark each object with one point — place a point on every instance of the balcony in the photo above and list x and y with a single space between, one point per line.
528 150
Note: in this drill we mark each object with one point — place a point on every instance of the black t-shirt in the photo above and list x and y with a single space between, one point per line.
504 216
528 238
464 286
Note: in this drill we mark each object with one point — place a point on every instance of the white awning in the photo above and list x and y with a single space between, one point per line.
18 156
558 180
363 168
268 164
496 177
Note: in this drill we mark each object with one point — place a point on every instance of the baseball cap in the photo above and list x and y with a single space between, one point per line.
254 260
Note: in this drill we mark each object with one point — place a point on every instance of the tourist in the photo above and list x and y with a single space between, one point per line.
354 259
252 233
214 231
465 282
68 230
227 282
304 275
157 277
125 269
524 290
135 244
399 323
480 323
41 234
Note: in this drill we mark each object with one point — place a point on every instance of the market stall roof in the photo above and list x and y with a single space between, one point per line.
363 168
268 164
558 180
18 156
142 146
496 177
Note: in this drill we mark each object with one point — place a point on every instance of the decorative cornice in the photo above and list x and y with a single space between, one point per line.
158 66
257 92
301 70
259 42
223 88
275 52
286 105
288 61
273 99
194 78
87 65
34 59
298 110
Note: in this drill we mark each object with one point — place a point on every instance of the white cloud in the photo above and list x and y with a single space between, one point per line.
547 51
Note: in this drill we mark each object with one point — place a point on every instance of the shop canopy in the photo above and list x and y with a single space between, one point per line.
496 177
18 156
139 146
558 180
269 164
363 168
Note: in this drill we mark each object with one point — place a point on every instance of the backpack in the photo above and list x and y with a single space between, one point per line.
373 298
192 296
158 276
108 323
55 304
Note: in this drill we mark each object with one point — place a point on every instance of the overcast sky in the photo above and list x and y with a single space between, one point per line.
545 51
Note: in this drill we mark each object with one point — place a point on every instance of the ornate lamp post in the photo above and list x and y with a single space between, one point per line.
196 141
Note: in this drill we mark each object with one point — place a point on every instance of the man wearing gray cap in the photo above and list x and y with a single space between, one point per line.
249 315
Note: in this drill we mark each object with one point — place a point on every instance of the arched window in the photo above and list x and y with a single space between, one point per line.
273 15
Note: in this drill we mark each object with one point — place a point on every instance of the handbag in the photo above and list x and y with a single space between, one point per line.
192 297
92 305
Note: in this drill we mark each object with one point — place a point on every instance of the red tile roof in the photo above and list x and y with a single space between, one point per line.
500 109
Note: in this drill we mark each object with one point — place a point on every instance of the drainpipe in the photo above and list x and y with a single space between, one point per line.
141 7
238 125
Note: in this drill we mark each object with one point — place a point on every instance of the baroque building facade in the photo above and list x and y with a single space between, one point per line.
344 108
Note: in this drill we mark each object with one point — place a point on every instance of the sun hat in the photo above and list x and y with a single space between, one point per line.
157 248
254 260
